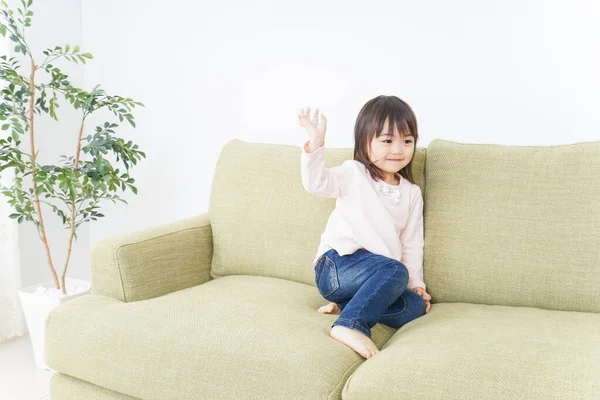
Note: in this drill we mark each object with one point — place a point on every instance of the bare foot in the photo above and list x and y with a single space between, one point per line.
330 308
354 339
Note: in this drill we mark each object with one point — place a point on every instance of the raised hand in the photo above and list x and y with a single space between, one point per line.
315 126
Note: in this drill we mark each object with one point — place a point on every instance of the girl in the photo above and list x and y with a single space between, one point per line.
369 264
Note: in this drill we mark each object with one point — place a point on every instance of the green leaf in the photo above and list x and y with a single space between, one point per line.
3 30
14 216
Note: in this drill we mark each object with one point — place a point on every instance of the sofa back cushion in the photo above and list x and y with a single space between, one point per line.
263 220
516 226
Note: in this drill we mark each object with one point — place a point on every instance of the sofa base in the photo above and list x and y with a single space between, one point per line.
65 387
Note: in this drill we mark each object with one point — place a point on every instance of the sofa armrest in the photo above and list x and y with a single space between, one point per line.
154 261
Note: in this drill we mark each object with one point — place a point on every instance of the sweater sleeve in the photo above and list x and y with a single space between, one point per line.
318 180
412 242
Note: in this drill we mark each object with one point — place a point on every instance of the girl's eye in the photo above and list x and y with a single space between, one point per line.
387 141
408 141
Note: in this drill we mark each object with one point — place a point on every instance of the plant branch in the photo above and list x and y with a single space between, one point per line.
36 201
73 211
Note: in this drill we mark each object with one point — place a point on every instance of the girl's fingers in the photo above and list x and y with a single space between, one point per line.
426 296
316 118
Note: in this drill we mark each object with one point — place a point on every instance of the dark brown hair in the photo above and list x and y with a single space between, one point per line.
370 122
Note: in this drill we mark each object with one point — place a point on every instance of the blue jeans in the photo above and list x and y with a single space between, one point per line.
369 288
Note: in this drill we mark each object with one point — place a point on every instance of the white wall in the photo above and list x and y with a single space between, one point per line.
522 72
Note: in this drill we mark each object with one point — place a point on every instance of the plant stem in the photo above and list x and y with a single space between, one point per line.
36 201
72 231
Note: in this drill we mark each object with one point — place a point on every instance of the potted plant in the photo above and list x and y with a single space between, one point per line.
72 188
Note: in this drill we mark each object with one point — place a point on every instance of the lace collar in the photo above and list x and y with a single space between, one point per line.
390 191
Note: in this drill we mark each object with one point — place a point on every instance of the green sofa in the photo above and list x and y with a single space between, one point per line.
223 305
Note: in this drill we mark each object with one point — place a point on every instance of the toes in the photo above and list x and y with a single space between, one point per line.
328 309
324 309
370 353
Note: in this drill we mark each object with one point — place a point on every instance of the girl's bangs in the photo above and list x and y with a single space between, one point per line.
395 120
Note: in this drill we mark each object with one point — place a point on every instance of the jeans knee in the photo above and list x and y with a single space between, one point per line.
400 270
399 273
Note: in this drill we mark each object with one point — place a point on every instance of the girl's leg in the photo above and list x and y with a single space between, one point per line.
365 284
409 306
375 296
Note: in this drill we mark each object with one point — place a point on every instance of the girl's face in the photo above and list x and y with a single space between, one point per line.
391 151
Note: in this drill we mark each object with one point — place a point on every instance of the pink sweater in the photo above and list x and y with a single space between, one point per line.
389 224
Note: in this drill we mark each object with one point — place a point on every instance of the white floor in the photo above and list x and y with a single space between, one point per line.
20 379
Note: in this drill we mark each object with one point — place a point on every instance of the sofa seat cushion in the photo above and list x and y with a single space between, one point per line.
65 387
234 337
466 351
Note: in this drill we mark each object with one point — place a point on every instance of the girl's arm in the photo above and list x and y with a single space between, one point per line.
318 180
412 243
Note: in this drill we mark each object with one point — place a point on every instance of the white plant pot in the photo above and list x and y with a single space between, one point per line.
37 301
